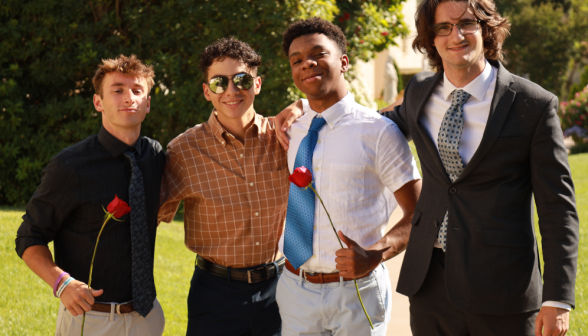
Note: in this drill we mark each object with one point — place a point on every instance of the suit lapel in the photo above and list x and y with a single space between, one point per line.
428 89
499 109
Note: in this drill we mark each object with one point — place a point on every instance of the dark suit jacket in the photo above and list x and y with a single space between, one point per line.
492 263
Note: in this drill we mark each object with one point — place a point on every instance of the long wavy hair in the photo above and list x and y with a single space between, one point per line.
495 29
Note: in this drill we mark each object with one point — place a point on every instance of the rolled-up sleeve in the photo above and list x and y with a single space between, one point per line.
48 208
395 164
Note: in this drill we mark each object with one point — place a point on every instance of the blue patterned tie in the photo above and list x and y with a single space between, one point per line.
448 144
141 261
300 217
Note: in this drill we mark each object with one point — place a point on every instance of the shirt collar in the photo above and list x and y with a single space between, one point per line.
114 146
477 88
218 130
333 114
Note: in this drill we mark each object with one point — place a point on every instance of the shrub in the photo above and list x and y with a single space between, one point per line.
575 112
50 49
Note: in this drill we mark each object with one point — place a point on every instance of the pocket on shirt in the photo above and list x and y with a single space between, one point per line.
346 183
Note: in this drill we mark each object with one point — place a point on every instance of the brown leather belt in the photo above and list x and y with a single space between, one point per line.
118 308
318 278
248 275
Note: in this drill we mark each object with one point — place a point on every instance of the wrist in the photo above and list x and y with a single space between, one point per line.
60 279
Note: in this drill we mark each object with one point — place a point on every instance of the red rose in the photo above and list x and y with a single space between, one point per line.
118 207
301 177
385 33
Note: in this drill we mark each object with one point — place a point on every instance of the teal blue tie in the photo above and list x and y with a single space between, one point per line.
300 217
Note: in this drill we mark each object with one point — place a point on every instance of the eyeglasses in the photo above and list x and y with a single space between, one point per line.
220 84
465 28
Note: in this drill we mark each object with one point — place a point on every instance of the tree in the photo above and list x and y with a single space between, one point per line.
50 49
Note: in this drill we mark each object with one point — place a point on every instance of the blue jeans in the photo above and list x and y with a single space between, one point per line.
218 307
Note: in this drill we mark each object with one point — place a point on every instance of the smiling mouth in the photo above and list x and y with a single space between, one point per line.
312 78
129 110
232 103
458 48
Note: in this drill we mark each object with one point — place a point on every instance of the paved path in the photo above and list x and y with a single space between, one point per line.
399 323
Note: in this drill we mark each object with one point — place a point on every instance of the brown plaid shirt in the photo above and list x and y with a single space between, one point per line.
235 196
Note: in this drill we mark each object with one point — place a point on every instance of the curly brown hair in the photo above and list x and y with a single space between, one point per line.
129 66
312 26
232 48
495 29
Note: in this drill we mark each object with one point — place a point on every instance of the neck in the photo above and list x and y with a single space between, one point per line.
461 77
320 103
237 126
127 135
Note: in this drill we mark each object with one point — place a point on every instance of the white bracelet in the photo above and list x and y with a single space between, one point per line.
62 287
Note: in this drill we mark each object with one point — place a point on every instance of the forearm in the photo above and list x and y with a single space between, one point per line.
40 260
394 241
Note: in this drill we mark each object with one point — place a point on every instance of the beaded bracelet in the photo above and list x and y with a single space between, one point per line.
57 282
65 283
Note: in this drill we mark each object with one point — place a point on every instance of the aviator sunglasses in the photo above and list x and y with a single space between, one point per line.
220 84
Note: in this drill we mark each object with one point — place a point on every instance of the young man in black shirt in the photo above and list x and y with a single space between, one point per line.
67 208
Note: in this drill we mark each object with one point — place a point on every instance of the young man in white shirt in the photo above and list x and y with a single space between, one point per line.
363 169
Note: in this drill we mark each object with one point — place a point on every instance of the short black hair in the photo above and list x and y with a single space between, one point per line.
232 48
312 26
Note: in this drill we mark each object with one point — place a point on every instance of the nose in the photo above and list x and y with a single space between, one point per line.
128 97
232 89
309 63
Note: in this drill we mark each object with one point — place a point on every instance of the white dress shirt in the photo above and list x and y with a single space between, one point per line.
360 159
475 114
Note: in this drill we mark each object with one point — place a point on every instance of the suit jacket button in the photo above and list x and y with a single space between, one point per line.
452 191
436 224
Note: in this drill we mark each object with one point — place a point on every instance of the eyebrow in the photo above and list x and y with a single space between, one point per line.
318 46
233 75
123 84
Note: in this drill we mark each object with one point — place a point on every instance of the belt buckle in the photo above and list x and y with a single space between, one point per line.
249 273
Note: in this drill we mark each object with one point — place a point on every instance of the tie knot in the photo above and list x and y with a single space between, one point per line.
317 124
130 155
459 97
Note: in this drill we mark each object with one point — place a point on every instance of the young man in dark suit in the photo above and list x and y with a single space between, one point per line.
489 142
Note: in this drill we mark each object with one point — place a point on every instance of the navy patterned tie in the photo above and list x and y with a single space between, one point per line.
448 144
300 215
142 263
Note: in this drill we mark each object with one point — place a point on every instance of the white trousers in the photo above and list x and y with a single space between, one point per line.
333 308
111 324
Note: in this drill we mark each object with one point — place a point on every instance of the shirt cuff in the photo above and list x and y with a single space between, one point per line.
556 304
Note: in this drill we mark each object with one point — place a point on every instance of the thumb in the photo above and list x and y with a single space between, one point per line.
96 292
348 241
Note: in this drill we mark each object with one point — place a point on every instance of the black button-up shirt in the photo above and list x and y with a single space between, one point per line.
67 208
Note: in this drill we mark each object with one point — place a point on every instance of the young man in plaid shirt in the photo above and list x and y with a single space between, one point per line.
232 174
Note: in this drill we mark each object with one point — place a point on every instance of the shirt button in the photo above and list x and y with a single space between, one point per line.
223 142
316 168
241 155
318 142
257 214
436 223
452 191
256 243
314 255
251 184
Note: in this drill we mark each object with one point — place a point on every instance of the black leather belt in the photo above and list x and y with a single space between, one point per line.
248 275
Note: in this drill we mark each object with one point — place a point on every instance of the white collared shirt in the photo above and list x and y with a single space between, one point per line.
476 111
360 159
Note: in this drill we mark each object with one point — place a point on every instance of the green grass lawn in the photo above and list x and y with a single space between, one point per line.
27 306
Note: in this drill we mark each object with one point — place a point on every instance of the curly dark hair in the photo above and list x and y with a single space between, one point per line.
232 48
495 29
312 26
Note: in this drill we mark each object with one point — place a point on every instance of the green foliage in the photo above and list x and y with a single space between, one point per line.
546 43
575 112
50 49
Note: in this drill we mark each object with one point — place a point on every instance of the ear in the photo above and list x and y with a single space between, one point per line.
148 104
344 63
206 92
257 85
98 103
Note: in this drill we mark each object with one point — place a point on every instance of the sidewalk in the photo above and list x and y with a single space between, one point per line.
399 322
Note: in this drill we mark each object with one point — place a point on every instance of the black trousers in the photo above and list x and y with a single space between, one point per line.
218 307
432 314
